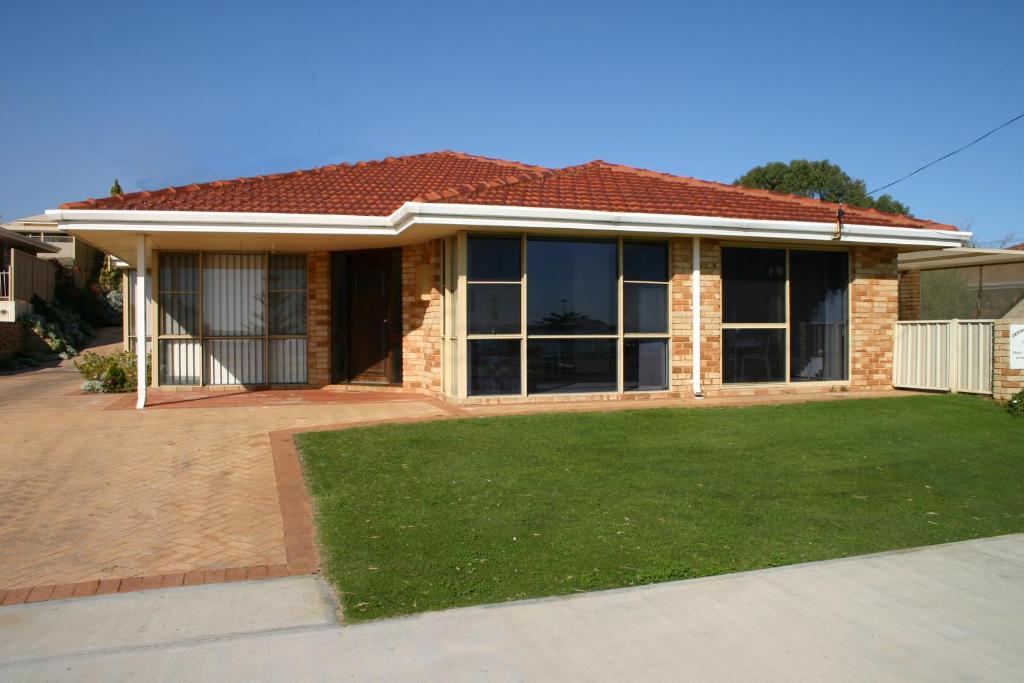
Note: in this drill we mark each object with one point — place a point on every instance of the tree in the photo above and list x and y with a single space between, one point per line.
818 179
115 189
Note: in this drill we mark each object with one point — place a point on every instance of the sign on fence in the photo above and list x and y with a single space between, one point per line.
1017 347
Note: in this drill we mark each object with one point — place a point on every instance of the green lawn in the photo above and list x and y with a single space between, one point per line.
460 512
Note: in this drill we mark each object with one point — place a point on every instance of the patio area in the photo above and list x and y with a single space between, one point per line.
95 492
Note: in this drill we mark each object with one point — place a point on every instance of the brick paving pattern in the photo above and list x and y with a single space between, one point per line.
90 491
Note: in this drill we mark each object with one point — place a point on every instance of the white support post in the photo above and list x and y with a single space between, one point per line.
696 331
141 298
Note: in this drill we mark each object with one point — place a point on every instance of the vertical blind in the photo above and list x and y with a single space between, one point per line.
247 325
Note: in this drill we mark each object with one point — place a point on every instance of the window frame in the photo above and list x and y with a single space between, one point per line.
786 324
462 282
201 337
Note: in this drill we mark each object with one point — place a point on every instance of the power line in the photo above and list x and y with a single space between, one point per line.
946 156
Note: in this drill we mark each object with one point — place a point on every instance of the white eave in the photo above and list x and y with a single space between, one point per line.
413 214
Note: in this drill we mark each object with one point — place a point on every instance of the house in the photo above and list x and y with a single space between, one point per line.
80 257
22 274
962 283
482 280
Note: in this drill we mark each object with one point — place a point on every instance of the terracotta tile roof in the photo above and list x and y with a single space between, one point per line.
1019 247
366 188
609 187
377 188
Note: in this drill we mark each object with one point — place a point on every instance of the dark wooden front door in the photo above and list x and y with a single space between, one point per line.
367 316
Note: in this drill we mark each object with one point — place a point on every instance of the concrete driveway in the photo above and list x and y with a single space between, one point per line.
944 613
93 490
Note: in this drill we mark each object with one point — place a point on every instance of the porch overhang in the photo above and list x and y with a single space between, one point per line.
113 230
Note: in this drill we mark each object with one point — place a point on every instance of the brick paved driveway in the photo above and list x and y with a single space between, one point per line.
91 489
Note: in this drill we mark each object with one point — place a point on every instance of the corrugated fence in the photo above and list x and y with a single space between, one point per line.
944 355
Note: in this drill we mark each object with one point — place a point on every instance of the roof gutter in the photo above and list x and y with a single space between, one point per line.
413 214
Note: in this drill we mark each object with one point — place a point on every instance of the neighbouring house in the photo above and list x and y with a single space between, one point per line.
23 274
78 256
481 280
962 283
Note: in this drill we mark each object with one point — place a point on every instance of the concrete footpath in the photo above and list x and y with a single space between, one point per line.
945 613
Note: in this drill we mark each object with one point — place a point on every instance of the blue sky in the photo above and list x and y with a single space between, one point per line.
177 92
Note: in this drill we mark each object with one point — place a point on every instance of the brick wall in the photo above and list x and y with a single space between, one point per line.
681 322
910 295
12 337
711 316
319 318
874 309
421 317
1005 382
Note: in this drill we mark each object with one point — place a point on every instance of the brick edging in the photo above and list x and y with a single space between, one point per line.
301 556
300 549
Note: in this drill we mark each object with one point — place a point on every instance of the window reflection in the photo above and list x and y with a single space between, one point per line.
571 287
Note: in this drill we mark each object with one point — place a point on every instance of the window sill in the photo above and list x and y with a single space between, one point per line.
755 385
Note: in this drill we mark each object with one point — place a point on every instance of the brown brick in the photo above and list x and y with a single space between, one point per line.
194 577
40 593
16 596
63 591
86 588
235 574
258 572
214 576
173 580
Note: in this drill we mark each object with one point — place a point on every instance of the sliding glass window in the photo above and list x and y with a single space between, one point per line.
178 319
572 316
584 327
784 315
818 312
232 318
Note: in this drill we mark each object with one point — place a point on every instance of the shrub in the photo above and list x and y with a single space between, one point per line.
110 280
52 334
1016 404
116 302
89 303
71 325
113 374
92 386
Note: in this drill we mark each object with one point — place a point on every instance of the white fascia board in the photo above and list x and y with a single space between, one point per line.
235 229
669 224
412 214
281 221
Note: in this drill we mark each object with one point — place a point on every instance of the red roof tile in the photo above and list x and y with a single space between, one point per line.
1019 247
377 188
366 188
602 186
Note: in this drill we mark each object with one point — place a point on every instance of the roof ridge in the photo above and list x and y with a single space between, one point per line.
328 168
530 173
739 189
468 189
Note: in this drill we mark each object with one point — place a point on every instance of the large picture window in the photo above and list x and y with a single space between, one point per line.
232 318
560 316
784 315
